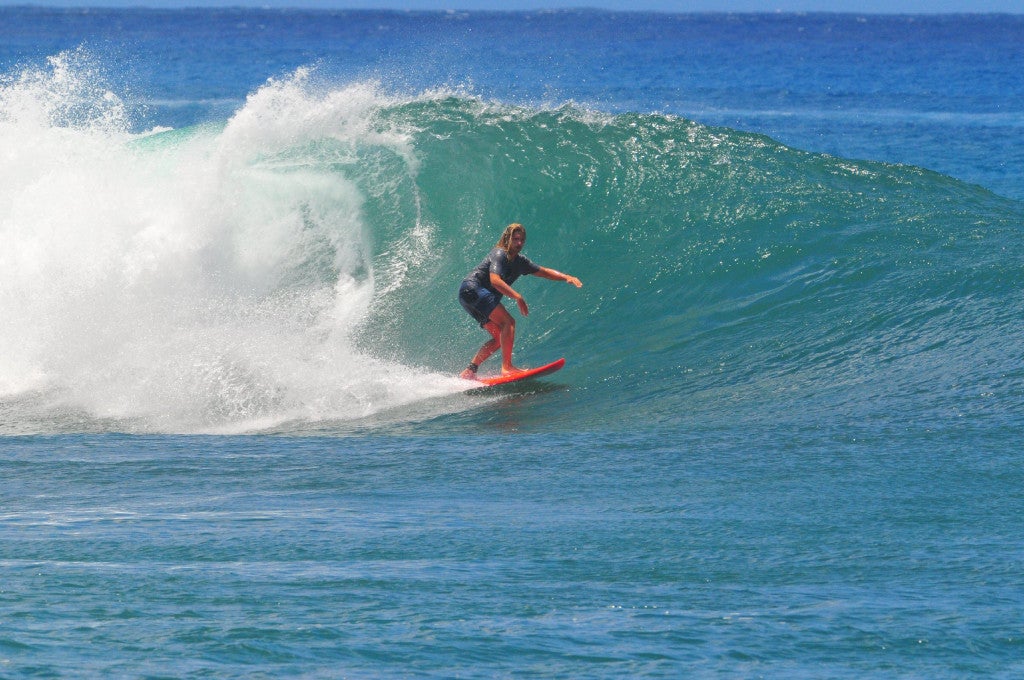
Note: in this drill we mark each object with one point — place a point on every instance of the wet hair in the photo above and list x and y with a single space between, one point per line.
506 236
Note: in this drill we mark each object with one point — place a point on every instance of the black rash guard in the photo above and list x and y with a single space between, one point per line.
497 262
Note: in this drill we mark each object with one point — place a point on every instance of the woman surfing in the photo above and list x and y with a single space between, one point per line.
481 292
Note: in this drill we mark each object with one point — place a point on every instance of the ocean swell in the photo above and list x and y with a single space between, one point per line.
296 267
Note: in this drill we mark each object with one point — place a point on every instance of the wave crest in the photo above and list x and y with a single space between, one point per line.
298 263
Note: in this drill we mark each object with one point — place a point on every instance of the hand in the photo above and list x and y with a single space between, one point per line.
574 281
523 309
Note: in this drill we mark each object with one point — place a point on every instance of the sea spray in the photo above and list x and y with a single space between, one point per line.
194 281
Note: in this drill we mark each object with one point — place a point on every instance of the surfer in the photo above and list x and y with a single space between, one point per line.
481 291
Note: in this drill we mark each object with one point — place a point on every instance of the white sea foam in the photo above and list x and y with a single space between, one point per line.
203 280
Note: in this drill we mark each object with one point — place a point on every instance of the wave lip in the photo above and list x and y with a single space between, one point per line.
193 280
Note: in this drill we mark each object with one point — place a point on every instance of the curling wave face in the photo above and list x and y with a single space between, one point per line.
296 265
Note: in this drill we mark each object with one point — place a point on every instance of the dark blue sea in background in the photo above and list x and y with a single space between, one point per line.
787 439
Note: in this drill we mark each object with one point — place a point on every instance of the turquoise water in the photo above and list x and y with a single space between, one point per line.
541 555
785 442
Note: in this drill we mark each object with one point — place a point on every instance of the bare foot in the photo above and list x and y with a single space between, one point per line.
512 370
468 375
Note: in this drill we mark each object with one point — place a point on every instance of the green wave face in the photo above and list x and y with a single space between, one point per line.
724 273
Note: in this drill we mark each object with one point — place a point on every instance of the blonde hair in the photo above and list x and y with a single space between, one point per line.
506 236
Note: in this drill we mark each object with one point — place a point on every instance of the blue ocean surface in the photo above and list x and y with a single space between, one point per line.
786 442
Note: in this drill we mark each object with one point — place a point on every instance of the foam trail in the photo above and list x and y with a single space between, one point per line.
208 279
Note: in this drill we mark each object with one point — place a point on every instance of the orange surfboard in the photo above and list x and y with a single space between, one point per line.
525 375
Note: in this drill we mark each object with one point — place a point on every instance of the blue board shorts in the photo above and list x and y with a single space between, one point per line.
478 301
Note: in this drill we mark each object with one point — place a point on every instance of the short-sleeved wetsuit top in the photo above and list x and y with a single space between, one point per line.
497 262
476 294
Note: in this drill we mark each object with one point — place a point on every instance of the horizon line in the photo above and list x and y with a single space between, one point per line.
582 8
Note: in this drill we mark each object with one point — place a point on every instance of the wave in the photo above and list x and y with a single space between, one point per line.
296 265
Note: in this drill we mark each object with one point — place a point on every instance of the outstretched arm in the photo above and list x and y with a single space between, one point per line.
546 273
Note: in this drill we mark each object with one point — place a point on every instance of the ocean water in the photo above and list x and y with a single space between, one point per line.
787 439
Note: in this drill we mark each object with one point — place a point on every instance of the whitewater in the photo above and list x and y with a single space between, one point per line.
213 277
786 440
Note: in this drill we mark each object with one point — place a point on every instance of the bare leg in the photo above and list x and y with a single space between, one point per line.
506 336
486 350
489 347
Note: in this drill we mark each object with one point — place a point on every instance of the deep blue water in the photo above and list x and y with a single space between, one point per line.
786 440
